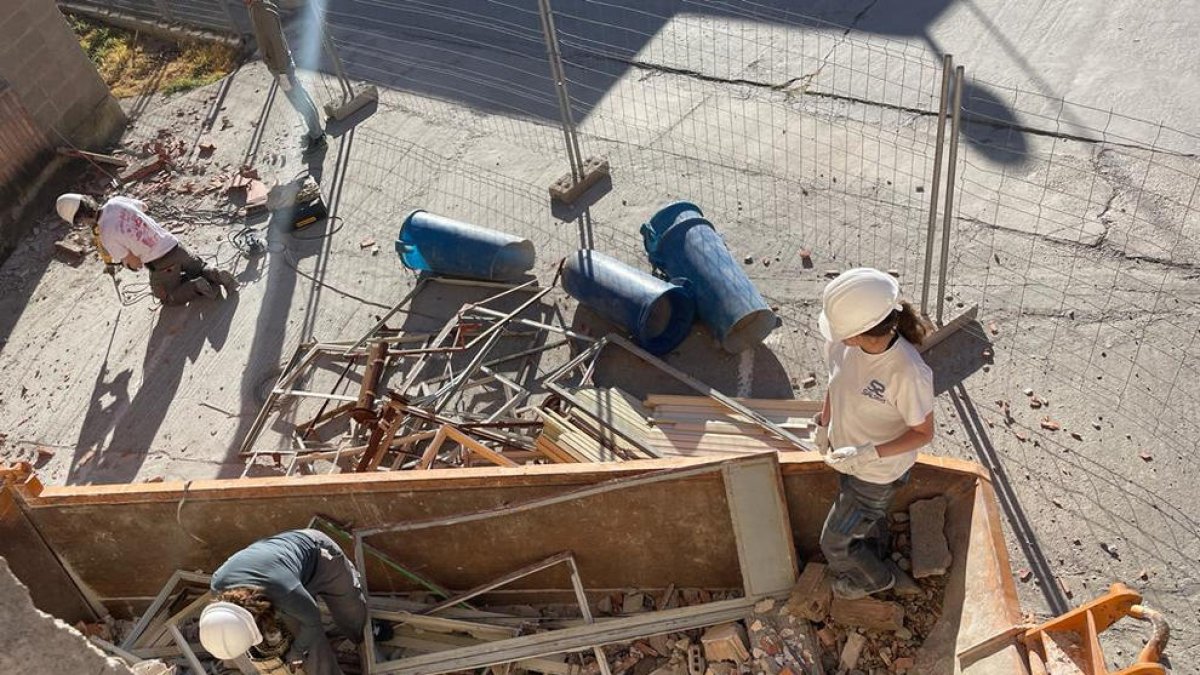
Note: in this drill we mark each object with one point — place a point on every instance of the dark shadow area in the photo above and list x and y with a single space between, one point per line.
976 431
492 56
134 421
957 357
699 355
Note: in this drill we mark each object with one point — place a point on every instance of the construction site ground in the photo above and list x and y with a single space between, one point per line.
94 390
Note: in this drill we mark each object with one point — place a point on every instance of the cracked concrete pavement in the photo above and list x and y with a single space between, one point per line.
1075 238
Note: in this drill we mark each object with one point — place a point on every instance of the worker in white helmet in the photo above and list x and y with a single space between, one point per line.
271 587
878 411
125 235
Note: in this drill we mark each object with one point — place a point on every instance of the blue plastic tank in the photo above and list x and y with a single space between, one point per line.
448 247
658 314
683 243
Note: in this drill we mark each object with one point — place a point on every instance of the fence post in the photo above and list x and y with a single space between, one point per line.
558 74
931 231
948 215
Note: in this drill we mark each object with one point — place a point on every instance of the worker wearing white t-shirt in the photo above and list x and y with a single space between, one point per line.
878 410
126 234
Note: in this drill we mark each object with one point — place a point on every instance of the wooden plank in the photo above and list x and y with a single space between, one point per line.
438 624
571 639
477 448
793 405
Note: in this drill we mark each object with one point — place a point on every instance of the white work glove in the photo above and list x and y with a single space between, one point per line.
820 434
850 457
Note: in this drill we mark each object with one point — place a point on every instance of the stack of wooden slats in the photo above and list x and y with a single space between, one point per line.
698 425
599 429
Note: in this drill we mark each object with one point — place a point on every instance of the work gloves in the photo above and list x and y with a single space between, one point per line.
847 459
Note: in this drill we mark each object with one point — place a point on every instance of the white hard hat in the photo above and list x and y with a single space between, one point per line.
68 205
855 301
227 630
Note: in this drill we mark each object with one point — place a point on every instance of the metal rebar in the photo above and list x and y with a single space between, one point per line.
948 216
931 231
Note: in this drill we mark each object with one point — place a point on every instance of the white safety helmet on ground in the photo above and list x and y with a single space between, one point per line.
227 630
855 301
68 205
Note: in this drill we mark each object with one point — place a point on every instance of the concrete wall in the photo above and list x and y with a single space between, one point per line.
42 61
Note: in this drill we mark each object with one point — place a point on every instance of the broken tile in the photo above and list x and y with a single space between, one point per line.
851 652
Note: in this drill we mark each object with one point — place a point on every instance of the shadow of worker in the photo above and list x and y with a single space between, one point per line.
176 340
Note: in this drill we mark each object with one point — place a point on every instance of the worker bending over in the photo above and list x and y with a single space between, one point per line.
271 586
878 410
124 234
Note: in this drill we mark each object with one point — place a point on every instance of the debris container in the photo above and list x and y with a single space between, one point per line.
444 246
683 243
658 314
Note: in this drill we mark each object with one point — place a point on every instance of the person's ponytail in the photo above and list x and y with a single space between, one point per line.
914 327
906 321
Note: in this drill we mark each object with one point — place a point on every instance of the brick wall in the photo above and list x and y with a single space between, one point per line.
42 61
22 144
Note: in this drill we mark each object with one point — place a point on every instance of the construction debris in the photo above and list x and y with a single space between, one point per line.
428 400
930 553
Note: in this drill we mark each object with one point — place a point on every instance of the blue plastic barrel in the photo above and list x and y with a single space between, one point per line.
681 242
448 247
658 314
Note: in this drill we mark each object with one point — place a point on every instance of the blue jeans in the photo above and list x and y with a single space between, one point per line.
303 104
855 536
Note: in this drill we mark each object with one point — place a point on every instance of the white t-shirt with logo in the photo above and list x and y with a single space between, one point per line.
125 228
874 398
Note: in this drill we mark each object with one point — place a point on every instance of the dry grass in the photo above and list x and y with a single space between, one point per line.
132 65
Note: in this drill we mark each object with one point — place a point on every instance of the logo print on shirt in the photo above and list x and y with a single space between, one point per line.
874 390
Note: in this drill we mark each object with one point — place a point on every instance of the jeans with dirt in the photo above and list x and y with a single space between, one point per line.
854 539
174 277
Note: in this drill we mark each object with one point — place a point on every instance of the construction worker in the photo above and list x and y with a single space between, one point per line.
276 581
124 234
268 30
878 410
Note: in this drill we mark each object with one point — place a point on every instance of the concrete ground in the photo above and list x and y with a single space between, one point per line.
1074 233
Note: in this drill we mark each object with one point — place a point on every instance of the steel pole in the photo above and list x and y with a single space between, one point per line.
948 216
558 74
931 231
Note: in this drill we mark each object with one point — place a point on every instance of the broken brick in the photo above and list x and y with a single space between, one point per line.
147 168
850 653
726 642
69 251
930 553
810 596
868 613
1050 425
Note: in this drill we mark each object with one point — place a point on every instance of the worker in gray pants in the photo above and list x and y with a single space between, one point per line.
268 31
278 580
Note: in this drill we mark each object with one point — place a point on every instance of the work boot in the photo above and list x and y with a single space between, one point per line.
225 278
315 144
846 589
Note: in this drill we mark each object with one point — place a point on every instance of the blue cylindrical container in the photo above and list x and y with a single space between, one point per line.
657 313
444 246
683 243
